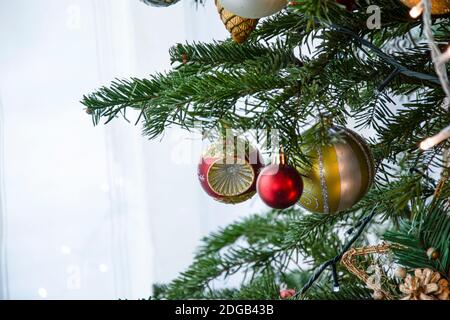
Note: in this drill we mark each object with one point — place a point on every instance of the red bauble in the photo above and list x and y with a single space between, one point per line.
287 293
279 186
229 178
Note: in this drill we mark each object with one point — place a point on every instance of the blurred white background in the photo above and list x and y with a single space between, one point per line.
94 213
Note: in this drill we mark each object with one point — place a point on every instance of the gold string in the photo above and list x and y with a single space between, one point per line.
349 262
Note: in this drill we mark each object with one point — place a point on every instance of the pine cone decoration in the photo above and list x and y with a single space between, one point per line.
426 284
240 28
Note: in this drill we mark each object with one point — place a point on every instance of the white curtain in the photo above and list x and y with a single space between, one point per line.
94 213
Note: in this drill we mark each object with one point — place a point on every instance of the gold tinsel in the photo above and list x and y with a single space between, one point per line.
349 262
426 284
437 6
240 28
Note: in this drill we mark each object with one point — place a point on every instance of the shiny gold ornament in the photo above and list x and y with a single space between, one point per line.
240 28
340 173
426 284
437 6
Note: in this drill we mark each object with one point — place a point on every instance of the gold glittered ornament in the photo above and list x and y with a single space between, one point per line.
339 174
437 6
425 284
240 28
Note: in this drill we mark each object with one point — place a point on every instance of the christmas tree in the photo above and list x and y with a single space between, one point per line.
308 72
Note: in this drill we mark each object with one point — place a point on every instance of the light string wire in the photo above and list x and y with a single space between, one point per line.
439 59
442 78
332 262
399 69
384 56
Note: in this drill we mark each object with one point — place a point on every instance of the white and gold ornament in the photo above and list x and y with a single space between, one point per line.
254 9
340 173
239 28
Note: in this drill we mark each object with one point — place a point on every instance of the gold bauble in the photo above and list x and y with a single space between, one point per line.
437 6
339 175
240 28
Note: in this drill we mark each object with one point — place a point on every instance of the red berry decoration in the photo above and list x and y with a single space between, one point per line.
228 170
287 293
280 185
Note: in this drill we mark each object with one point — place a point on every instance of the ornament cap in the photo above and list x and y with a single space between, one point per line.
279 158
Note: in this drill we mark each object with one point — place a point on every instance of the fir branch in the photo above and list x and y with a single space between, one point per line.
430 229
387 58
255 245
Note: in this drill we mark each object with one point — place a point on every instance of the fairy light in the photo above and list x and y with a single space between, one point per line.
336 287
416 11
436 139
